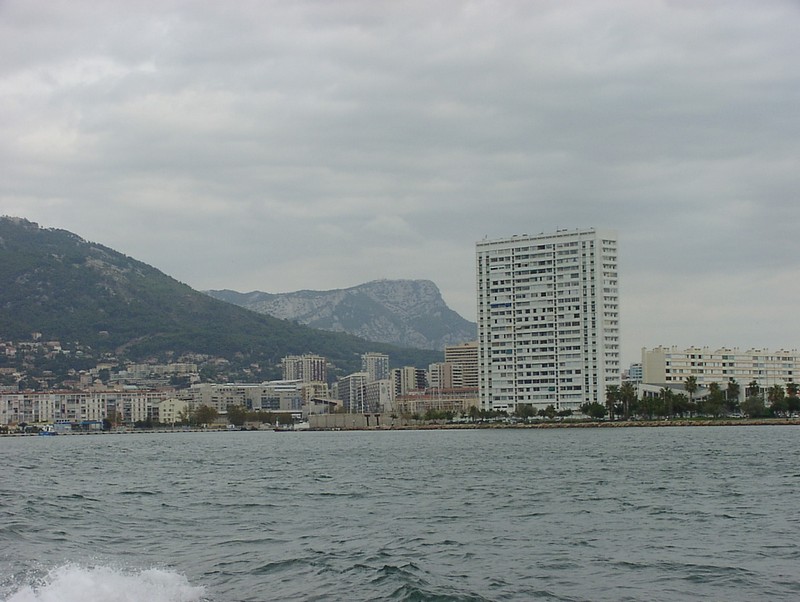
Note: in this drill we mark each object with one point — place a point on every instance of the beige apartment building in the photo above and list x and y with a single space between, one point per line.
671 365
465 356
78 406
306 368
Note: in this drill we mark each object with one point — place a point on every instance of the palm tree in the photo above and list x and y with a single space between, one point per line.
715 399
777 400
612 398
680 404
627 395
732 395
691 386
667 396
791 397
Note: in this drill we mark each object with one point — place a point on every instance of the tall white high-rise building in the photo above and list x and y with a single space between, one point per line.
548 319
376 365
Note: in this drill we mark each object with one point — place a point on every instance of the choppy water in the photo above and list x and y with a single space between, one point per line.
583 514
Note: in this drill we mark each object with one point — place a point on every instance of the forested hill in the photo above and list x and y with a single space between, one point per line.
54 282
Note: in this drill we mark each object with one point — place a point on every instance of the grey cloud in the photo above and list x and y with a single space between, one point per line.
317 145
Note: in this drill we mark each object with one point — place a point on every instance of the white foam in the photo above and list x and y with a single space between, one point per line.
72 583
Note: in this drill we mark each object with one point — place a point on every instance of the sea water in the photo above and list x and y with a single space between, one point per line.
674 513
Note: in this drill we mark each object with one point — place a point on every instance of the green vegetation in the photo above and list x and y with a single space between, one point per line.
239 415
594 410
55 283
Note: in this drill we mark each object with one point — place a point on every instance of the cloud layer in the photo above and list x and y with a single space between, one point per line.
316 145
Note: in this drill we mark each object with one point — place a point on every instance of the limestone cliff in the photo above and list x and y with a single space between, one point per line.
410 313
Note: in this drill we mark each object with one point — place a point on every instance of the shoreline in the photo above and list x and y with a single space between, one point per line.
469 426
609 424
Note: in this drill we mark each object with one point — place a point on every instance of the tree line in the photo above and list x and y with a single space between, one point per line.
622 401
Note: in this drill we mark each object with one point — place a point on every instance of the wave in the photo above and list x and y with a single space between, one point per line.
71 583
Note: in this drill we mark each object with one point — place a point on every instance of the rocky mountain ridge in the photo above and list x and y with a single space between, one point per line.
409 313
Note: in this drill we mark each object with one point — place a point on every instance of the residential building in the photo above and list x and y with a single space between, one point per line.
275 395
634 373
408 379
79 406
170 411
445 375
548 319
458 401
313 390
379 396
351 391
219 397
672 365
306 368
376 365
465 356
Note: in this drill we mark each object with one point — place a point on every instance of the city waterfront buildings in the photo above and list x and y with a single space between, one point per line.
275 395
548 319
34 407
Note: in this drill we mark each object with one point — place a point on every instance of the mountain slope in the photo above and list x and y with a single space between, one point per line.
56 283
410 313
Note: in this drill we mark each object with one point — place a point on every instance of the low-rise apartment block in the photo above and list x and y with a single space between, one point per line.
79 406
671 365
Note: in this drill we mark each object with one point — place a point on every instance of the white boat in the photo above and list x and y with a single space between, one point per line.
295 426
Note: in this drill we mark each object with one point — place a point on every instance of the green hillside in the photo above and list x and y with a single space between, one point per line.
56 283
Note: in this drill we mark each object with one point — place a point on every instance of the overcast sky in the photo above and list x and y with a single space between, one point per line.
280 146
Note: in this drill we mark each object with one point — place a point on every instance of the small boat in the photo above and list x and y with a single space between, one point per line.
48 431
295 426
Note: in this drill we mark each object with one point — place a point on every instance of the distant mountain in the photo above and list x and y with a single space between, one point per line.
56 283
409 313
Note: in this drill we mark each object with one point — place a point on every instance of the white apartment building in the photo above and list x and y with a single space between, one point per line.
548 319
376 365
671 365
379 396
351 391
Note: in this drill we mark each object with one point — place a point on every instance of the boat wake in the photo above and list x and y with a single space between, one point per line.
71 583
